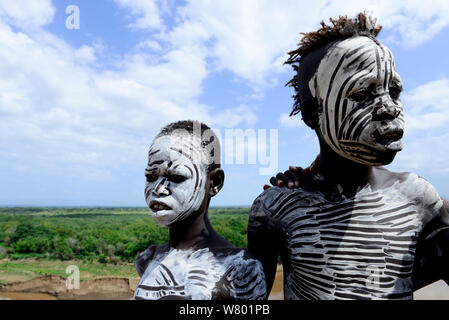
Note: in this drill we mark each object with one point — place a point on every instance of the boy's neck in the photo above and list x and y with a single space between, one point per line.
190 232
349 175
195 231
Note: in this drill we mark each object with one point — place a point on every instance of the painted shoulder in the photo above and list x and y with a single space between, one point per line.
276 200
146 256
420 192
424 194
244 278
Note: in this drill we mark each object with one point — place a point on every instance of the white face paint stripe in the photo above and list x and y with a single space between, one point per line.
168 153
333 112
345 87
329 111
195 274
343 72
358 248
344 116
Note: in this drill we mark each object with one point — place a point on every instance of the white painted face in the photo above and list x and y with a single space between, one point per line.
175 178
358 88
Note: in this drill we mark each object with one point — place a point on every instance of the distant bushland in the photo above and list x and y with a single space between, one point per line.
107 235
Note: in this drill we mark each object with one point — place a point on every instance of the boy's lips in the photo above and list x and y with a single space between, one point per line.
158 206
389 137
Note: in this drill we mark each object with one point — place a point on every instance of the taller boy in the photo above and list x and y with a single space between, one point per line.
352 229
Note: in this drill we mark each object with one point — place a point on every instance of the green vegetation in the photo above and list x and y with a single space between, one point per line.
21 270
105 235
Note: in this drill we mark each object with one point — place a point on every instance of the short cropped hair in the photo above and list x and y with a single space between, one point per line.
208 138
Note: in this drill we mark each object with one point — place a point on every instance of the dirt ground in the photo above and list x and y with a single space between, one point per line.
27 269
52 287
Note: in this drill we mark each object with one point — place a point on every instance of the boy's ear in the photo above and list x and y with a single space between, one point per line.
216 178
310 112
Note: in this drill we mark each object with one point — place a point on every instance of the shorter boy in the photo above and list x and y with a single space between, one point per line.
182 175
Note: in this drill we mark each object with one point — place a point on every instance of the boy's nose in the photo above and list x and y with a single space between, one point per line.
161 189
386 111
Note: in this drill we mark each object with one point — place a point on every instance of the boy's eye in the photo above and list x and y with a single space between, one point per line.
359 96
151 177
362 94
176 178
395 92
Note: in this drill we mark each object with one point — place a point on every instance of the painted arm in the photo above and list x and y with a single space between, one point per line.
432 253
245 280
264 239
441 239
143 259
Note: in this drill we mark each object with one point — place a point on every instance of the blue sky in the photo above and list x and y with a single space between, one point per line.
80 107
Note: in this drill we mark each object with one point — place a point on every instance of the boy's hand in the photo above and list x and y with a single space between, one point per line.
289 178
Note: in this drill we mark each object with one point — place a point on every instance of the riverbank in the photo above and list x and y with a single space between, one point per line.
54 287
30 279
46 280
27 269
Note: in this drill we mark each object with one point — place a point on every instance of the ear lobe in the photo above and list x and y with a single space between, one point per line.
216 178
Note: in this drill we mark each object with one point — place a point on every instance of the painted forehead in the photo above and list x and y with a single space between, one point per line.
177 147
358 55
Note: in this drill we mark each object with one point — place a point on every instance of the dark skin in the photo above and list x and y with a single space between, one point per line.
334 168
432 262
196 231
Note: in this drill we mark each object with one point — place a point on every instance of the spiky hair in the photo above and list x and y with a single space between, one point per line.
340 29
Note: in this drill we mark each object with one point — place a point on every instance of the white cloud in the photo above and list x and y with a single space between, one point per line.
59 109
427 153
426 107
148 44
27 14
251 37
145 12
85 54
241 115
412 22
426 110
62 113
290 122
